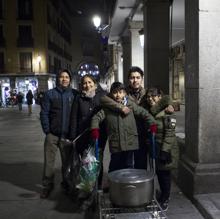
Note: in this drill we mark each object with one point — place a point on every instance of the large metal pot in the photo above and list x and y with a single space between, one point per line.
131 187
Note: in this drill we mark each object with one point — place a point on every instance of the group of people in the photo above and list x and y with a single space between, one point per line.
125 116
29 98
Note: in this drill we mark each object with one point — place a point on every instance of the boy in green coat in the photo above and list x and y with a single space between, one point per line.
121 130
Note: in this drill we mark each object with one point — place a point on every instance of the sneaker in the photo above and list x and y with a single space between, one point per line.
46 192
164 205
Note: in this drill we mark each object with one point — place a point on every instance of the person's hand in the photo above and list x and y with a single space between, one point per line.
126 110
95 133
153 129
169 109
165 157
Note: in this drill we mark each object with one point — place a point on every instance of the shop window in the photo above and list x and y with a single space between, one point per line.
25 10
26 62
2 63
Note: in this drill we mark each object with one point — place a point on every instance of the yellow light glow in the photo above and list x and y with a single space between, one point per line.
38 59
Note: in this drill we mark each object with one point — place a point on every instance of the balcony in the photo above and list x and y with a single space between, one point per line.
23 16
25 42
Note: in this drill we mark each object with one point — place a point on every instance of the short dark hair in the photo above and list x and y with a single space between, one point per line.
135 69
64 70
117 86
154 91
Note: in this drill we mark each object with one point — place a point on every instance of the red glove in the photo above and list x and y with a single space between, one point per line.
153 129
95 133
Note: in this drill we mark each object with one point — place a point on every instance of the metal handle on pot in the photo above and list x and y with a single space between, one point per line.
130 187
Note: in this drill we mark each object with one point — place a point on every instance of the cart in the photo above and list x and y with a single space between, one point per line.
108 211
152 210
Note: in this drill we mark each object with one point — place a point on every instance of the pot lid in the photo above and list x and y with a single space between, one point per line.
130 176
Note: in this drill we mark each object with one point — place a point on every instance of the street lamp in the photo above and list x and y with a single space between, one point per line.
96 21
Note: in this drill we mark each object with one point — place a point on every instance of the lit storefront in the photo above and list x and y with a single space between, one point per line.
24 84
4 89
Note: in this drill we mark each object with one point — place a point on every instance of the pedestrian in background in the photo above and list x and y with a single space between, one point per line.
167 151
20 98
55 121
40 97
29 97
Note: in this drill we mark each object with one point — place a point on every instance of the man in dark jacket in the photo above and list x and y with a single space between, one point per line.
55 121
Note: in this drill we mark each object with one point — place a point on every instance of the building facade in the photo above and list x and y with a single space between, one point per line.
35 42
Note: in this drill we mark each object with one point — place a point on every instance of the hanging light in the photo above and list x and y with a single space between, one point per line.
141 36
96 21
38 59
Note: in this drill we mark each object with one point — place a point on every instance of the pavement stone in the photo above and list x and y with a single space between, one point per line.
21 165
209 205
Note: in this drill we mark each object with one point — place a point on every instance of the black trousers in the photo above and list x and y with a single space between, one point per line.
164 179
121 160
141 157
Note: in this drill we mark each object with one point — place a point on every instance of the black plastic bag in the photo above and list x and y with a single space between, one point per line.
71 172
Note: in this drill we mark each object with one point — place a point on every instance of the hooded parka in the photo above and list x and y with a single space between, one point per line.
122 130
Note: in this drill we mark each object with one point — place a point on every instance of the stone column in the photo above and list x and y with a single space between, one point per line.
199 170
119 74
126 47
43 83
12 82
156 48
137 52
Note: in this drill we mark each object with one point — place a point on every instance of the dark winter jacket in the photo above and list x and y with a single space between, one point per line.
166 139
165 136
29 97
82 111
20 97
55 111
122 130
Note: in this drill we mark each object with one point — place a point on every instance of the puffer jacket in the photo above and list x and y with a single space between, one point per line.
55 111
108 102
122 130
166 139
